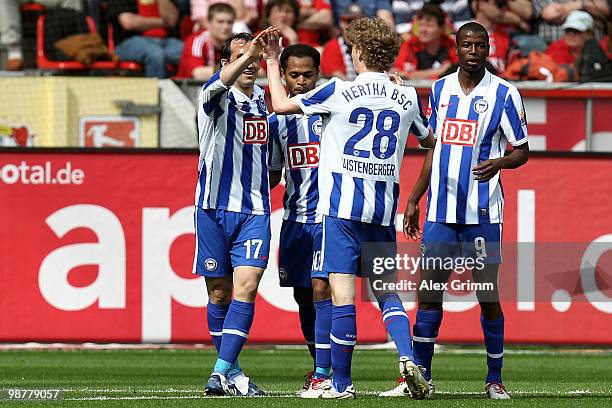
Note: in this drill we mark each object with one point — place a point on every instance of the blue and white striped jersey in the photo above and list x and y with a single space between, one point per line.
294 145
365 126
233 166
469 130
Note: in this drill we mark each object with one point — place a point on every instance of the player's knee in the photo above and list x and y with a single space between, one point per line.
246 290
220 296
320 290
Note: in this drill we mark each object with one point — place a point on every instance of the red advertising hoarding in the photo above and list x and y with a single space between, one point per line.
98 246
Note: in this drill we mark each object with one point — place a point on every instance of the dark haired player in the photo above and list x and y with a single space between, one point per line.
232 215
474 114
294 141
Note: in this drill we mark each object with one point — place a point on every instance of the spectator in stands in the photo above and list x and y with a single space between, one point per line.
246 13
141 33
431 51
550 15
202 51
370 8
336 60
490 13
284 15
457 11
10 27
314 22
577 28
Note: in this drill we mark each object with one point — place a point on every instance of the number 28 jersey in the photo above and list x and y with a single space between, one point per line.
365 126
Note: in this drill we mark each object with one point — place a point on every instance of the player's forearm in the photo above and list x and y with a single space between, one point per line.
420 187
281 103
516 158
230 73
320 20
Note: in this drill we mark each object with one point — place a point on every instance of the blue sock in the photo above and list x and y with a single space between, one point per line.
307 323
425 331
235 333
215 315
397 323
322 328
493 331
343 338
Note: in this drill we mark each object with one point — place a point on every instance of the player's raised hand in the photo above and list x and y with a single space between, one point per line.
256 48
411 221
273 40
485 170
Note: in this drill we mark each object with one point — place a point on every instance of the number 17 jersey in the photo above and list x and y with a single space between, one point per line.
365 126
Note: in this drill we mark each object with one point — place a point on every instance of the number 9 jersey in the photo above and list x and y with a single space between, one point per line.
365 126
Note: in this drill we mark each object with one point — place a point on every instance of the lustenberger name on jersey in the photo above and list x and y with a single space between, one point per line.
376 89
368 168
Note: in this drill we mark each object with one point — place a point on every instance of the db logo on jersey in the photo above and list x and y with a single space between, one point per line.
460 132
255 130
303 156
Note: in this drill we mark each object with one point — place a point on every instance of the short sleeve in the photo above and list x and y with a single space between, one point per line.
275 152
514 121
212 93
419 126
432 109
320 100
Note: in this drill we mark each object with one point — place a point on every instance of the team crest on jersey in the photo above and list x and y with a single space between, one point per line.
481 106
303 155
210 264
428 112
255 130
317 127
460 132
262 104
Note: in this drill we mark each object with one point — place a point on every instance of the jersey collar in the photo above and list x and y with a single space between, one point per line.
479 89
368 76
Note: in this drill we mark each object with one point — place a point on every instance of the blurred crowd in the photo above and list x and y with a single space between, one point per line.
554 40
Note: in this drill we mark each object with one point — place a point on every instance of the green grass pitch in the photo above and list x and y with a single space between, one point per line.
175 377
